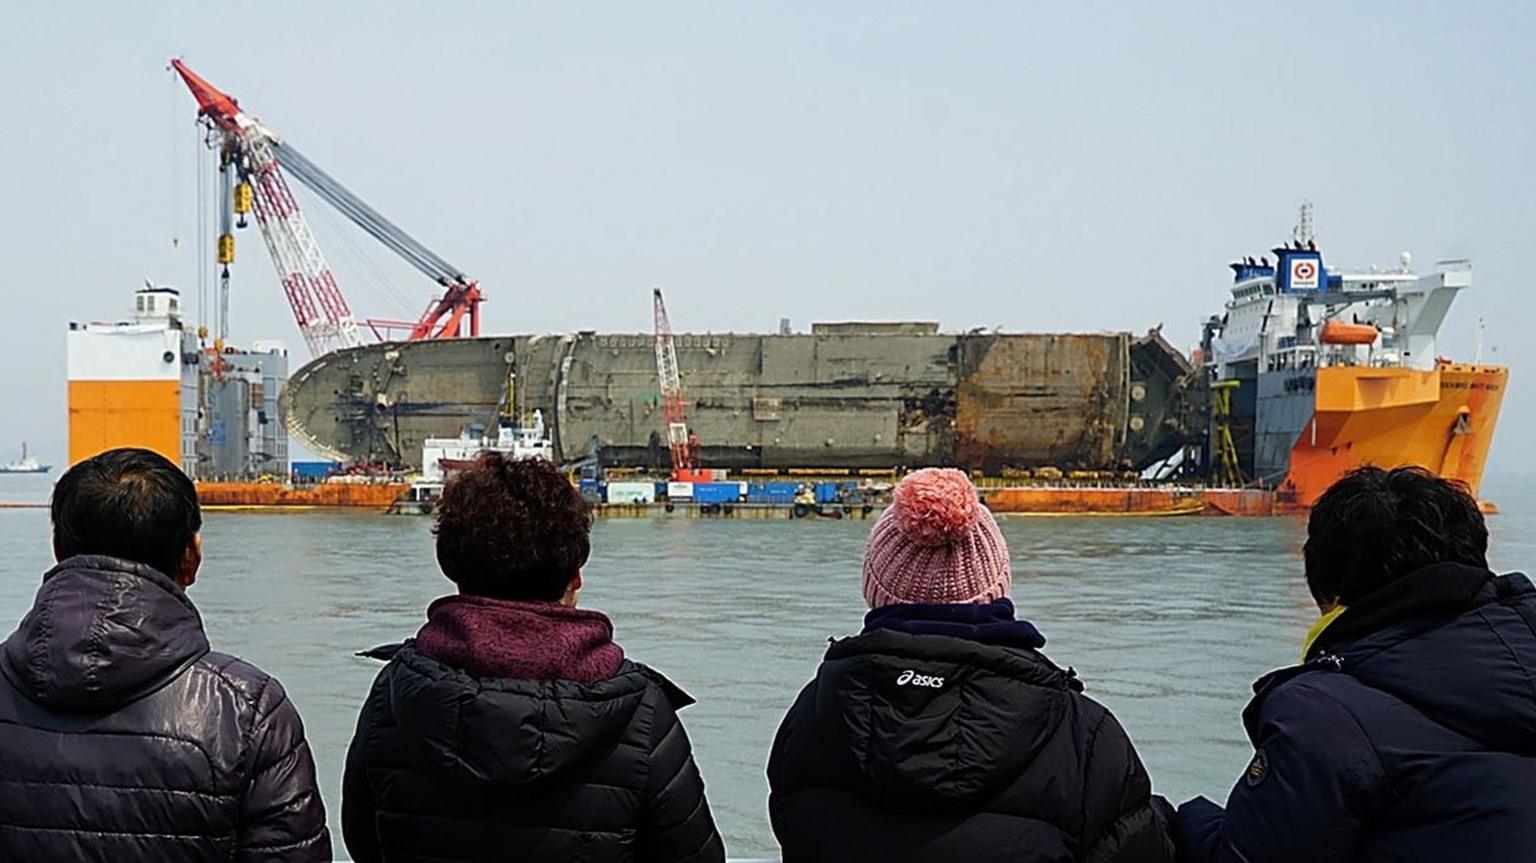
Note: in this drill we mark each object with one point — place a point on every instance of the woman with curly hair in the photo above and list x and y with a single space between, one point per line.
512 726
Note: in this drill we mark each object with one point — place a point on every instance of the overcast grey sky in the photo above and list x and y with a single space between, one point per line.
1077 166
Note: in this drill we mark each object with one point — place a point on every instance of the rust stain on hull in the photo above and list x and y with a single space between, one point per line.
838 398
270 494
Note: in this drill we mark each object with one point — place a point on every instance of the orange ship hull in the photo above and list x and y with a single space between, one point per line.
377 495
1442 420
1030 500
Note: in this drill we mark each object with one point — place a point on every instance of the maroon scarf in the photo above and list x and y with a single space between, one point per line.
487 637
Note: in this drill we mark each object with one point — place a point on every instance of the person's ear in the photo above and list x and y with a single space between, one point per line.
572 590
191 559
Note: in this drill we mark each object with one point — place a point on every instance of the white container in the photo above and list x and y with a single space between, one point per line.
632 492
679 491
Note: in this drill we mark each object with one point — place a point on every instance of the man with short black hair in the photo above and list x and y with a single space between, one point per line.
1408 733
124 737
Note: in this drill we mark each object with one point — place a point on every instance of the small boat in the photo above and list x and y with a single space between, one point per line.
420 499
442 457
26 464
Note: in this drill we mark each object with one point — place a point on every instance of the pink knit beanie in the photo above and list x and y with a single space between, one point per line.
935 543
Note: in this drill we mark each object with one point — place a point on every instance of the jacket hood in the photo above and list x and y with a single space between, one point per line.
1456 642
533 640
513 732
102 632
938 721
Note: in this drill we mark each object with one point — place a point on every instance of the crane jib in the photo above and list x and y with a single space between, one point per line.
367 218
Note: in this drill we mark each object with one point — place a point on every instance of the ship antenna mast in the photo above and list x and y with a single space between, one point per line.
1303 232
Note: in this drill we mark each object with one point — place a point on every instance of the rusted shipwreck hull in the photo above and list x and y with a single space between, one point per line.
844 396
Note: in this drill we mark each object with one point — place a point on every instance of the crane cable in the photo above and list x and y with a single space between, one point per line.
394 291
202 234
175 163
369 219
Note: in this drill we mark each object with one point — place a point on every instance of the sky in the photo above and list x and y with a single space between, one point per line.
1054 166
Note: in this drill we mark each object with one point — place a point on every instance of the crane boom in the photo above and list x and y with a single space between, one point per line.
673 407
684 447
300 264
261 159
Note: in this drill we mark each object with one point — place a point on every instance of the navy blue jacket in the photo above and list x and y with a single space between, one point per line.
1409 734
123 737
449 767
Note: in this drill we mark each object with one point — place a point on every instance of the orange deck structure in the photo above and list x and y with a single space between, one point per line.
263 495
1442 420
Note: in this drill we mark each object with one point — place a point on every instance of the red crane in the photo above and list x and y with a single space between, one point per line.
683 444
260 160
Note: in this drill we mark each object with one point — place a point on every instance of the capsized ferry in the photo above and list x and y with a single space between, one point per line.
1315 372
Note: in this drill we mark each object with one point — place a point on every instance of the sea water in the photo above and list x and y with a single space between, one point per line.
1167 620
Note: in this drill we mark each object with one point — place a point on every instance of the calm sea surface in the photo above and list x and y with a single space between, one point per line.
1167 620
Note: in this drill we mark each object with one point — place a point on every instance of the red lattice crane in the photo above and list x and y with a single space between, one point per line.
683 444
260 160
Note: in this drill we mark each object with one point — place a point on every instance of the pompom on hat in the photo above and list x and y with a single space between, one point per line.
936 543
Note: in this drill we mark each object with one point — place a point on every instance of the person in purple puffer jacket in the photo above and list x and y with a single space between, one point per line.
512 726
123 735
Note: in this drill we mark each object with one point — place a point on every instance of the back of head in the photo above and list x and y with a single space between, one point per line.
128 503
512 529
1375 526
935 544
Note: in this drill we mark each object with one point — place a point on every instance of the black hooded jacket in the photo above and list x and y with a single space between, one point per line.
122 737
449 767
1410 734
920 747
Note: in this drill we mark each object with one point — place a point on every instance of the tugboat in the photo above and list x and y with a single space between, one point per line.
26 464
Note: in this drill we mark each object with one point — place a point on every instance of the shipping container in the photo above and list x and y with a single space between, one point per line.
631 492
311 470
591 490
717 492
772 492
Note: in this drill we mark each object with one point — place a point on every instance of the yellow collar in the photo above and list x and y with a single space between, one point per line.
1317 630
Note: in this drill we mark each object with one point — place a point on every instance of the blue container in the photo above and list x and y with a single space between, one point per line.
716 492
312 469
591 490
826 492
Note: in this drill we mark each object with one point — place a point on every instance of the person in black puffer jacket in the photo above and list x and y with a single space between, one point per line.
1408 731
124 737
941 732
512 727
